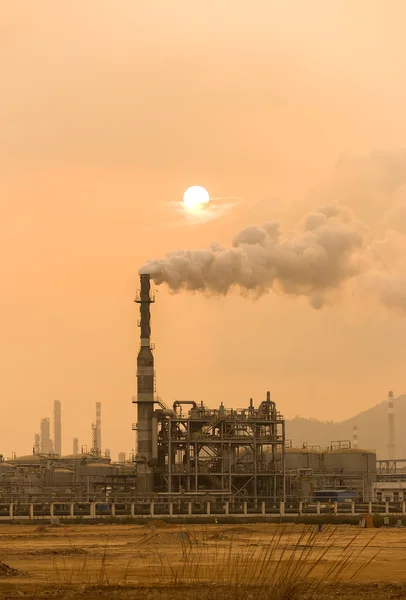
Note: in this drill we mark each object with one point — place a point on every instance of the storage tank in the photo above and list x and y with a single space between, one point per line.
350 460
357 469
29 460
302 458
98 469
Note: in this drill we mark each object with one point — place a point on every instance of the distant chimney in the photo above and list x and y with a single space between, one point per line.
46 445
355 437
391 428
57 428
98 427
37 441
75 445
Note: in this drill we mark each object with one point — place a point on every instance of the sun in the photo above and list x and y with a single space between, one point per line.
195 198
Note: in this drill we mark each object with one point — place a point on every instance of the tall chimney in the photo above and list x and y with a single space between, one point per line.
37 441
46 445
95 450
355 437
145 390
75 445
57 427
98 426
391 428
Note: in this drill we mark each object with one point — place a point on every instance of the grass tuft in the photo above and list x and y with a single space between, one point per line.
292 564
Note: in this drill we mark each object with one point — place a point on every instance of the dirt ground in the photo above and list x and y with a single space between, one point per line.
216 561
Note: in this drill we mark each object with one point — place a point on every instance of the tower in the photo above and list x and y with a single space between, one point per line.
57 427
95 450
145 389
391 428
75 445
355 437
98 426
46 445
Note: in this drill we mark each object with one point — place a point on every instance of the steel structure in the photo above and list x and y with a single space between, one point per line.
98 426
227 452
236 453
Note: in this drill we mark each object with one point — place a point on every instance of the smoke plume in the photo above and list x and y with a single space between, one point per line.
311 262
328 248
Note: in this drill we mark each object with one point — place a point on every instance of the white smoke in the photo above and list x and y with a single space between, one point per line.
312 262
386 273
329 247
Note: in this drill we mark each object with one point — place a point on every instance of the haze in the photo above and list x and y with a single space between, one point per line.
108 112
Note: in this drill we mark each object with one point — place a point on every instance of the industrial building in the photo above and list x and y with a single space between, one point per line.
189 449
188 452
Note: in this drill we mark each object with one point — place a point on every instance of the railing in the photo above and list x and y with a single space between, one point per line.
184 507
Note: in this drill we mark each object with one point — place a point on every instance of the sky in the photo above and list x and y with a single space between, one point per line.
108 112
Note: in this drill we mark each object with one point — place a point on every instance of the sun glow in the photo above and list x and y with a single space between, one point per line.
195 198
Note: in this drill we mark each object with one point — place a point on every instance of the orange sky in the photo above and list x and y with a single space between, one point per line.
108 111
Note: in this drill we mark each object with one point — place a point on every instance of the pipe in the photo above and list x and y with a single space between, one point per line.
179 402
164 412
154 438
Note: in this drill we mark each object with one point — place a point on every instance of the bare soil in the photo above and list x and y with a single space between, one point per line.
159 561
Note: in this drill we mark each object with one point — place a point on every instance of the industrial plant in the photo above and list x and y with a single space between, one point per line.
188 452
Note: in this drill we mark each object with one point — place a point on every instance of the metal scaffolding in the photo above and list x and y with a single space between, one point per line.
229 453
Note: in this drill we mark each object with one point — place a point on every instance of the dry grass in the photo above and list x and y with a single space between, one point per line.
294 564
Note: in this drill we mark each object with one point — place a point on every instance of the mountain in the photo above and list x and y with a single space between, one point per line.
372 429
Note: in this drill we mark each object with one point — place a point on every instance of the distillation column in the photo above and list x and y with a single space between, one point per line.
145 391
57 428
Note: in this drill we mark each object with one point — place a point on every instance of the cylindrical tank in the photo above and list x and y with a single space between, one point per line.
350 460
97 469
302 458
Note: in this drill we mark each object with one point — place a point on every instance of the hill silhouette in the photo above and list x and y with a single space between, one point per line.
372 429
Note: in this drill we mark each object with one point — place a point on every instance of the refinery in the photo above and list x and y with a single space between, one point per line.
189 453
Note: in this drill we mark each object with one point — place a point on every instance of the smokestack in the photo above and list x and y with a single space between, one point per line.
355 437
391 428
95 449
75 445
98 427
145 389
37 440
57 427
46 445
